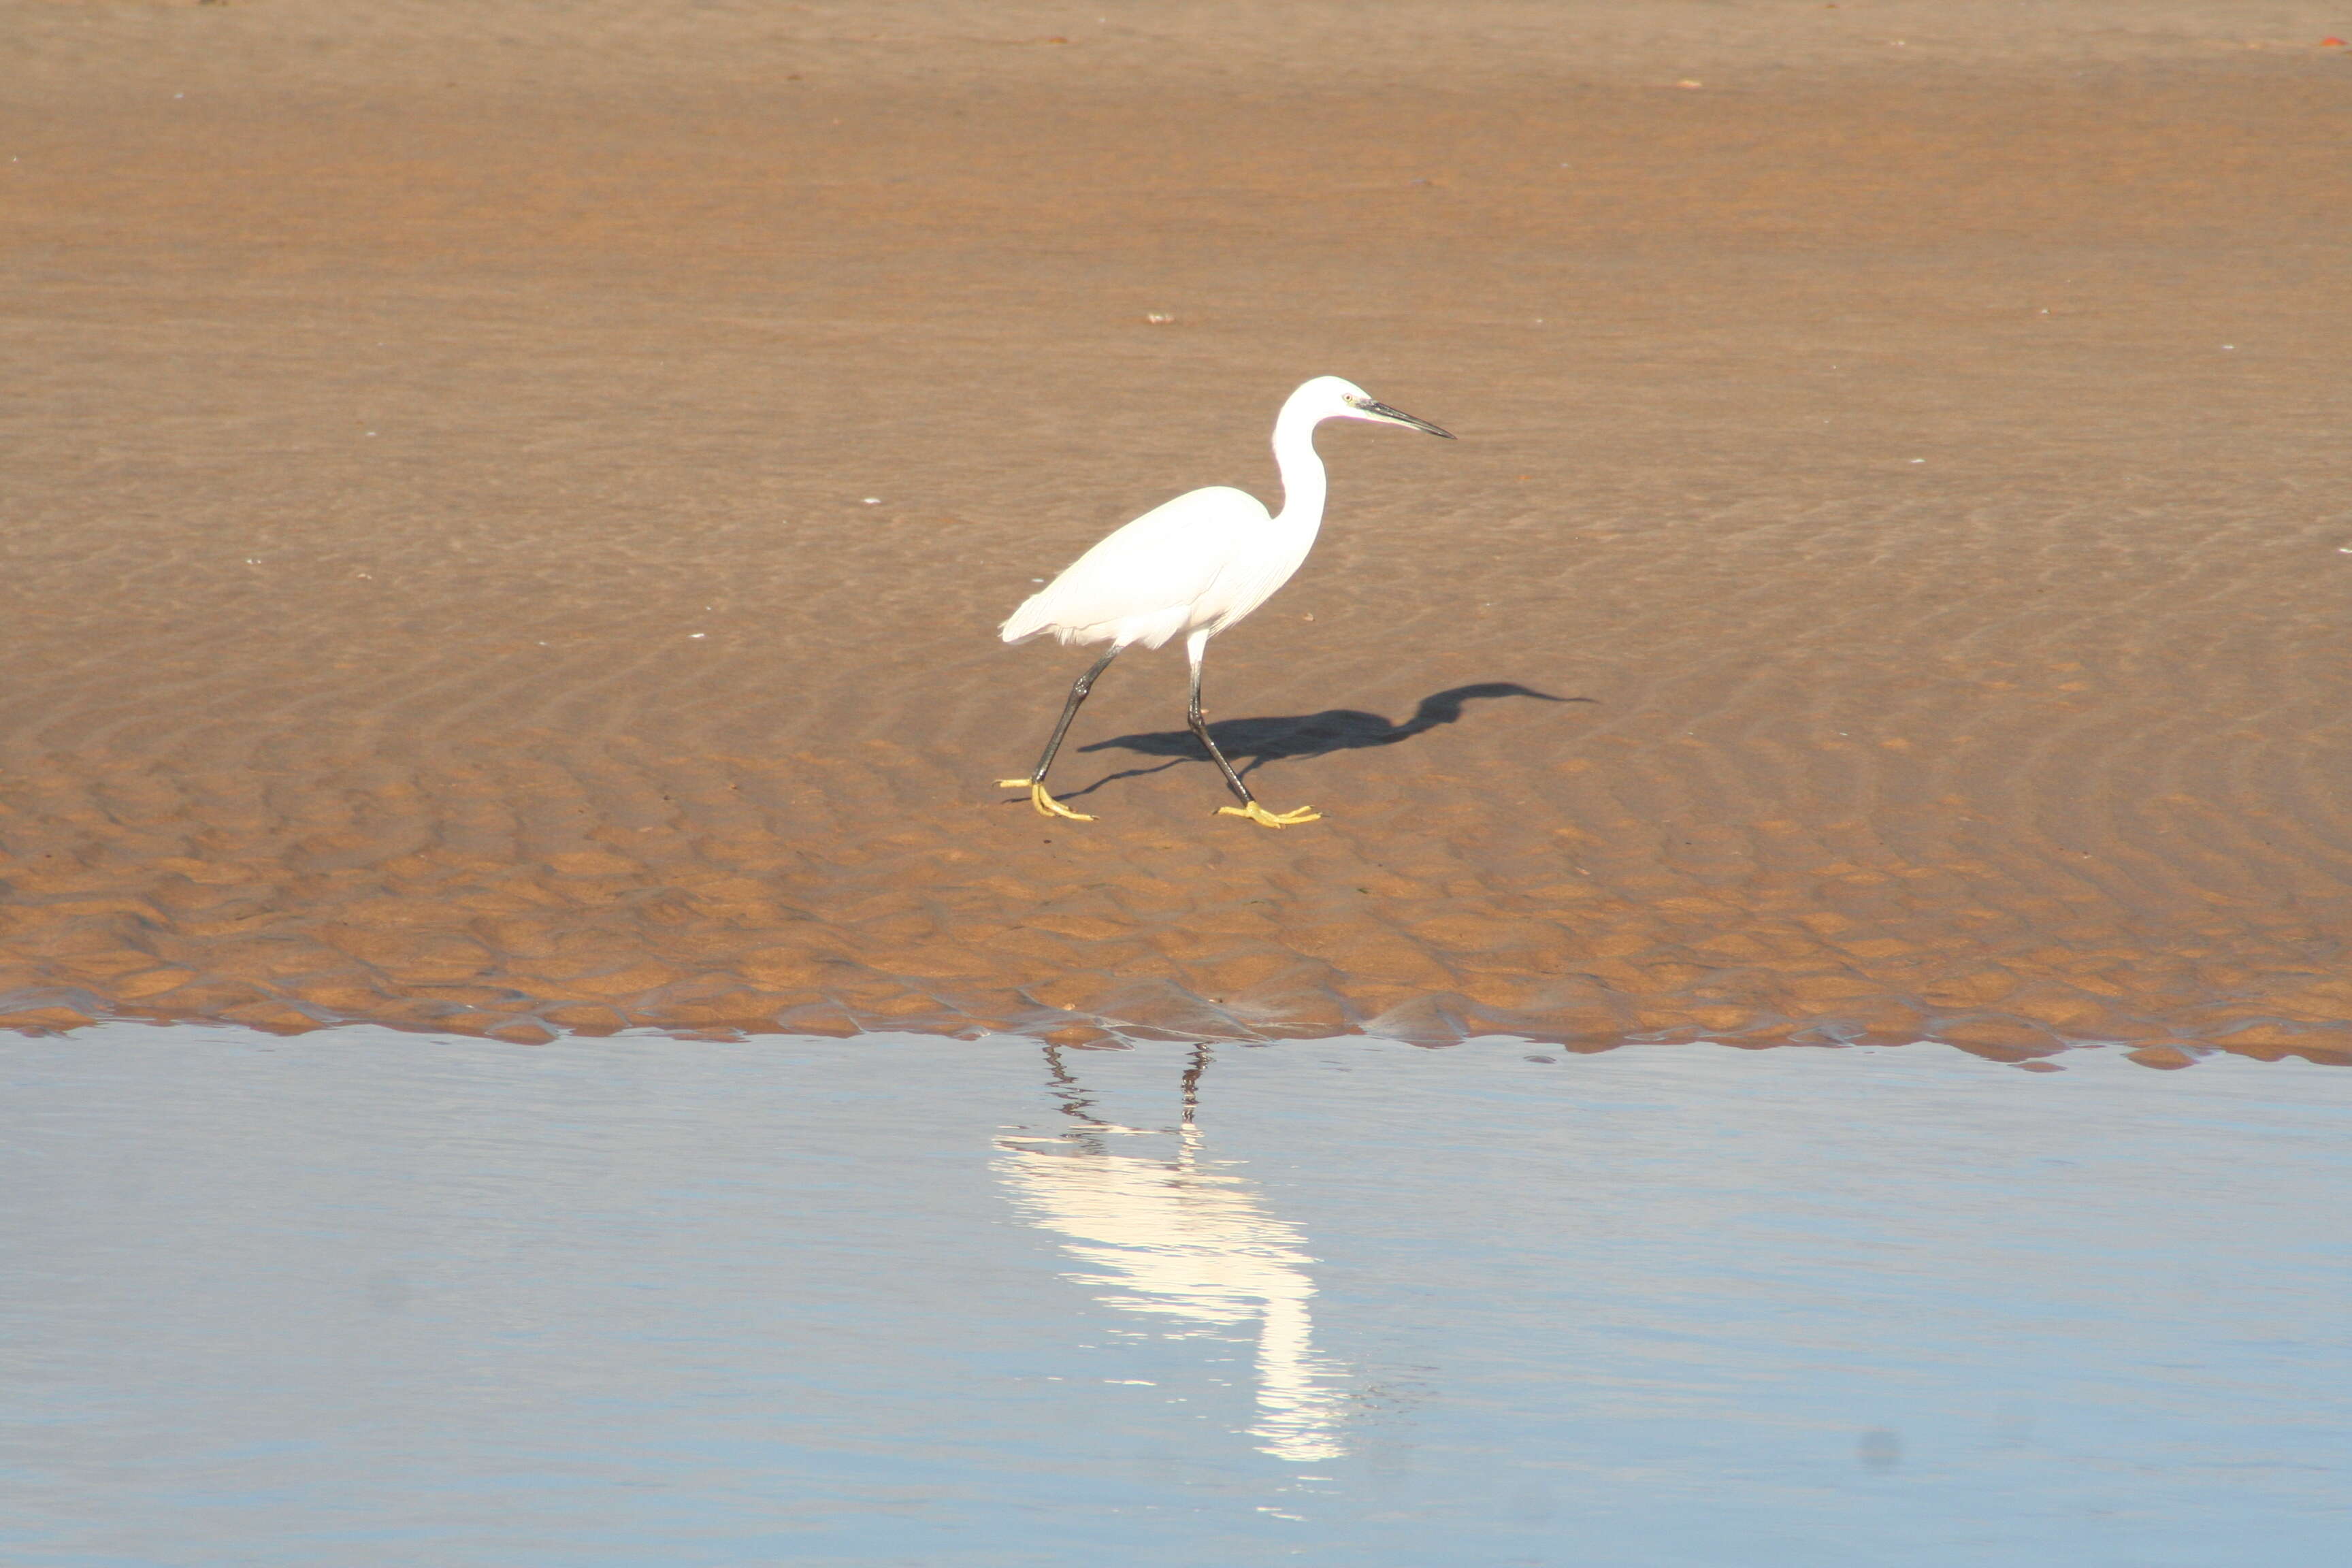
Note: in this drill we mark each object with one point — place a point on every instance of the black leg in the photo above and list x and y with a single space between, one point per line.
1201 728
1194 645
1078 690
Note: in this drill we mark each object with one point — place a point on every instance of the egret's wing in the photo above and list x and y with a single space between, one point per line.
1160 563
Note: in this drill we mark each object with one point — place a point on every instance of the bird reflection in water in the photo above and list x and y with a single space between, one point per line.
1173 1234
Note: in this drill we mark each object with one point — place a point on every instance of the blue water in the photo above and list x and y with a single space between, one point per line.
362 1298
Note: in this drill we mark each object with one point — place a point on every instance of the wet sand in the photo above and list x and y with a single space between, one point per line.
1891 583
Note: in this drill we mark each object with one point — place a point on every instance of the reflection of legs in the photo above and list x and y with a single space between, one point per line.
1035 783
1194 647
1193 1082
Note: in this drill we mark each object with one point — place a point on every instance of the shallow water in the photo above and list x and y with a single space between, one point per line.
365 1297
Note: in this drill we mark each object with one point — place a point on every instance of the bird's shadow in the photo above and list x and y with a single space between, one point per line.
1275 739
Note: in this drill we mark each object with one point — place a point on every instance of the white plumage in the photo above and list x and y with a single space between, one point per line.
1192 567
1179 567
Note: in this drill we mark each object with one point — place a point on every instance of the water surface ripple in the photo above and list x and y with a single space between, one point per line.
366 1297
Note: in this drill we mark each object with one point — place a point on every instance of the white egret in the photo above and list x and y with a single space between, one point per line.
1189 568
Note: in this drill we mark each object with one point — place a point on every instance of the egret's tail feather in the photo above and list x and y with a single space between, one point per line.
1025 622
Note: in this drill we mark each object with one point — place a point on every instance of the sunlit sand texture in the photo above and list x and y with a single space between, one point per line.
1891 581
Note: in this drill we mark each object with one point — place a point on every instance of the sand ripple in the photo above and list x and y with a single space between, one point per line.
445 594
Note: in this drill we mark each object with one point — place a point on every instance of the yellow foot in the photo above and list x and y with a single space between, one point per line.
1266 819
1045 804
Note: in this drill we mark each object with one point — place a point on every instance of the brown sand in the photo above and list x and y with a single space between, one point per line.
440 588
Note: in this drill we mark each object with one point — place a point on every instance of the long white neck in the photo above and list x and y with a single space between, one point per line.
1303 485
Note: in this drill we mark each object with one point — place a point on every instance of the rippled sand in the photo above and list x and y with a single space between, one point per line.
1892 581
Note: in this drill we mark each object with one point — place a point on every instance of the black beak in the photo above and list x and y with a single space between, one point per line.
1402 417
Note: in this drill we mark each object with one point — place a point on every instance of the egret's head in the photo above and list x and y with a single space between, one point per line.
1332 398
